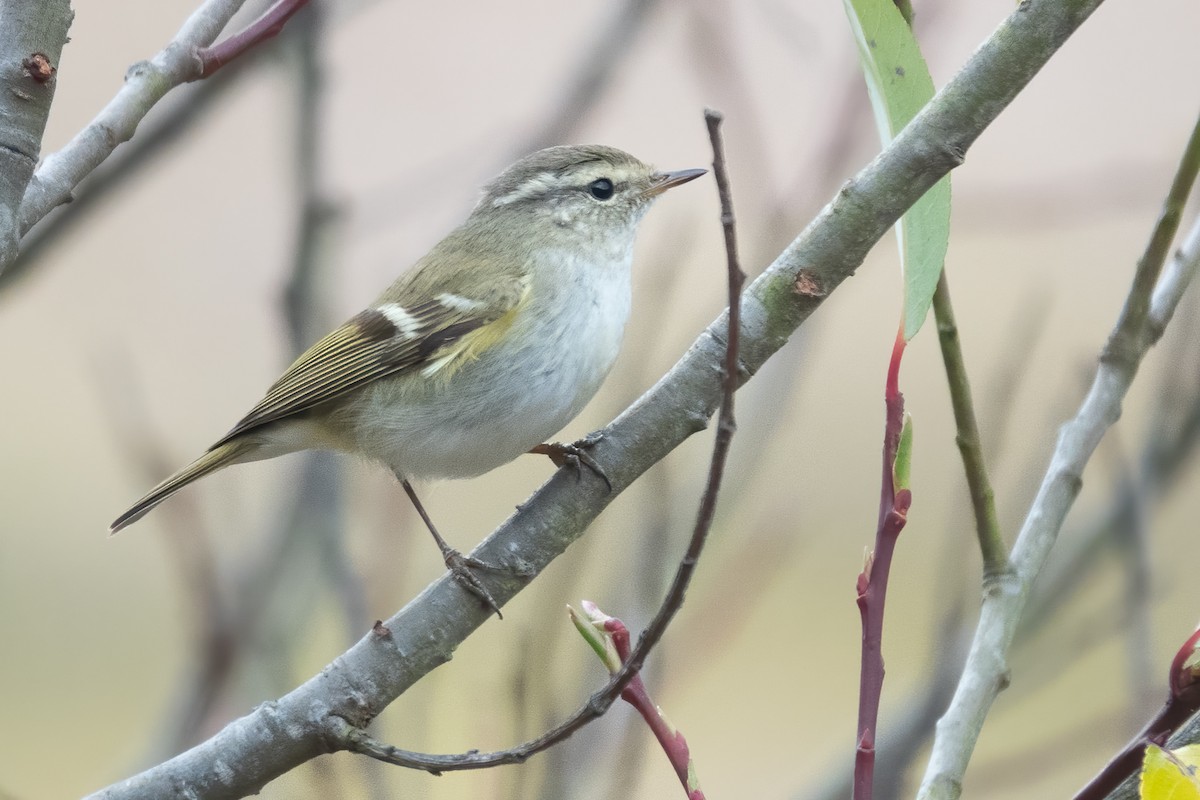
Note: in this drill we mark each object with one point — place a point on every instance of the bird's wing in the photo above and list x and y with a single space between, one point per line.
432 334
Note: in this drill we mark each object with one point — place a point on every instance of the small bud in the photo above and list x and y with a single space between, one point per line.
1185 667
592 626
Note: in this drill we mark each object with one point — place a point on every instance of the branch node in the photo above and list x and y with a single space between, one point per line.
38 67
956 153
807 284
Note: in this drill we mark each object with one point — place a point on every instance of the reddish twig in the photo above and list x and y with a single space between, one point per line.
1183 701
872 581
609 637
215 56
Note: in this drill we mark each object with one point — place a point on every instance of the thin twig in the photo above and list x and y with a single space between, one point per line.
970 444
1124 341
872 584
357 740
215 56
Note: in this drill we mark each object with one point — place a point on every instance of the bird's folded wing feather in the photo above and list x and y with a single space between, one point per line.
430 334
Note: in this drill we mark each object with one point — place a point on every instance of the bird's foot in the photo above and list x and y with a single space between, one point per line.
462 569
576 455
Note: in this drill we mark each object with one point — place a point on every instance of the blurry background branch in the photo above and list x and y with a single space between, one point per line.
593 75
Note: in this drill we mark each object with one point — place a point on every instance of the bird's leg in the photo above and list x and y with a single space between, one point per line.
460 566
575 454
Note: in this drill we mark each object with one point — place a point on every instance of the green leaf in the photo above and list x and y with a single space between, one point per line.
1170 775
590 625
899 85
902 466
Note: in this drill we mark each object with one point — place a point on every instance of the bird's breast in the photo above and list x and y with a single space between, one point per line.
514 395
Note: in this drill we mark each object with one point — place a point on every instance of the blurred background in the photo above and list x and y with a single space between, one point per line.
256 210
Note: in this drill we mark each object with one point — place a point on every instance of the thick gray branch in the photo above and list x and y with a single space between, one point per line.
357 685
32 35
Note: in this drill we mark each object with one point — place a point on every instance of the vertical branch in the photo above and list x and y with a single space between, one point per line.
1123 344
970 444
894 500
31 41
594 73
320 498
300 303
318 501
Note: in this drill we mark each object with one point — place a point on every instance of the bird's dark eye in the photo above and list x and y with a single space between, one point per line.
601 189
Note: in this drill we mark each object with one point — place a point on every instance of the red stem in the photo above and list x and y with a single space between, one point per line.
893 424
873 581
1182 679
214 57
1126 763
672 741
1182 703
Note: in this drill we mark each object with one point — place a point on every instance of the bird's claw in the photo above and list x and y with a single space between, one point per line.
462 569
576 455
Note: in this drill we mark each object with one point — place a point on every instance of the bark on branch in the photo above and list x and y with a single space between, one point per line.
32 35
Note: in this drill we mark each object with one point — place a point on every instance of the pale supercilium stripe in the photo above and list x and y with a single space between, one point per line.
533 187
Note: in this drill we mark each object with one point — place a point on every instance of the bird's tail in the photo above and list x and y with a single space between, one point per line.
220 456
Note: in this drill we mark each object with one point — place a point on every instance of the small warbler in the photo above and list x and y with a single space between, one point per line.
494 340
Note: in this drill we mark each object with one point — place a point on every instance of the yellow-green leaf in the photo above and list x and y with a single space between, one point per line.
902 467
899 85
1170 774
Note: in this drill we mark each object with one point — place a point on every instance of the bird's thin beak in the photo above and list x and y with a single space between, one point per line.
661 181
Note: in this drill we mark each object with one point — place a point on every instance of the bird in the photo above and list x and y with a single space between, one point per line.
490 344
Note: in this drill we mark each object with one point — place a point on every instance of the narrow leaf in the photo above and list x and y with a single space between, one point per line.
902 466
899 86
